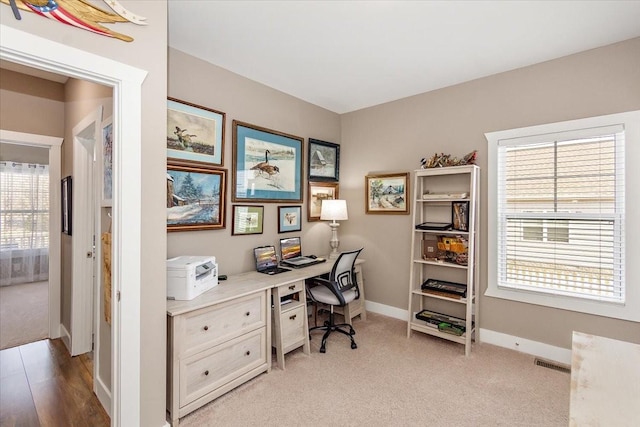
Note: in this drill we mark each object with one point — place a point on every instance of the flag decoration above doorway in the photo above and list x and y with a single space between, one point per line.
79 13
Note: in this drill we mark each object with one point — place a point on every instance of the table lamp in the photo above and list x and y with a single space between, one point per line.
334 210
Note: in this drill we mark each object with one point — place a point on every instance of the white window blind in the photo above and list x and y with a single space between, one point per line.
24 206
560 213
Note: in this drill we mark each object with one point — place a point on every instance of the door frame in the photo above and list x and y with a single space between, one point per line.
53 144
38 52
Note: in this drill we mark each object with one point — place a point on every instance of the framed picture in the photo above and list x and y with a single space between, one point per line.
247 220
267 165
319 191
67 196
289 219
387 193
324 161
195 197
195 133
107 162
460 216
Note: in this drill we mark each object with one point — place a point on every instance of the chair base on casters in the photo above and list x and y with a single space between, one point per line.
329 326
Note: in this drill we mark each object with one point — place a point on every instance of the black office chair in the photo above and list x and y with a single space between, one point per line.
339 289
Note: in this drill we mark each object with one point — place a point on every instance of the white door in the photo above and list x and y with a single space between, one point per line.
85 136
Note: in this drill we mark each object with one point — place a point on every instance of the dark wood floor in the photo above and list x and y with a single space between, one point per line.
42 385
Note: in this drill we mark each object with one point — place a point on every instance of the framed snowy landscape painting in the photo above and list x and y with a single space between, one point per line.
195 197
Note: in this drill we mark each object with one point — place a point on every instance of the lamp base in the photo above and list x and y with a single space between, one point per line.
334 242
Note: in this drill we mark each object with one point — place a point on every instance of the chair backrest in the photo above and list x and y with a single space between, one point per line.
343 271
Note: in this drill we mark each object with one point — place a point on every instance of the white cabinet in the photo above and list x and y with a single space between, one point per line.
443 280
214 349
290 326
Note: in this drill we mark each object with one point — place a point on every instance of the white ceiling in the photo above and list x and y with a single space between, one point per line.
348 55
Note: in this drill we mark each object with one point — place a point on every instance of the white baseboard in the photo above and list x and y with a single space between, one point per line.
66 337
103 393
534 348
386 310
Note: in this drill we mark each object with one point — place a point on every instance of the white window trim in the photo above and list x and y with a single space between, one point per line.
631 309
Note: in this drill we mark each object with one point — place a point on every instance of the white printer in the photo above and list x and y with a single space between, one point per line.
190 276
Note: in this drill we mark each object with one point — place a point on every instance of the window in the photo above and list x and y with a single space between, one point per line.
557 227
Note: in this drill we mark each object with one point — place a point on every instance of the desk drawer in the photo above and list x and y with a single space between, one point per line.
213 325
204 372
292 323
291 288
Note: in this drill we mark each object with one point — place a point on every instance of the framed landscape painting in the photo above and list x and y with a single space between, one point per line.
267 165
107 162
324 161
194 133
387 193
319 191
195 197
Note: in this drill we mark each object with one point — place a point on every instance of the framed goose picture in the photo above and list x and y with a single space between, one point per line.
267 165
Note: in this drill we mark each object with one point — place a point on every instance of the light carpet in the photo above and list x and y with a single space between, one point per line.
24 313
390 380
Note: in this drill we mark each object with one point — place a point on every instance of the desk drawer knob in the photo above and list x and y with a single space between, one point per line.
206 328
292 317
292 287
206 372
247 353
248 313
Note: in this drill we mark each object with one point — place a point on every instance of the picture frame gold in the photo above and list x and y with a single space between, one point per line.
387 194
319 191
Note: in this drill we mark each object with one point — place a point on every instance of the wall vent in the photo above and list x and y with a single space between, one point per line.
552 365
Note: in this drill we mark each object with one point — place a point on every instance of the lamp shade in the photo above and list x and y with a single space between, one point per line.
335 210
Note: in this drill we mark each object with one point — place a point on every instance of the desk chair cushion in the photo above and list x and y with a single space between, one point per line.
324 295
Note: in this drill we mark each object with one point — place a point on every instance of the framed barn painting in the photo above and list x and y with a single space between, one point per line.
387 193
319 191
194 133
195 197
267 165
324 161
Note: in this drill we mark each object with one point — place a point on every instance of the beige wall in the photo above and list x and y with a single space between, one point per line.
395 136
148 51
30 104
24 154
202 83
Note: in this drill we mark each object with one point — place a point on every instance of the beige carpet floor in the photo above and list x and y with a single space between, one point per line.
24 313
390 380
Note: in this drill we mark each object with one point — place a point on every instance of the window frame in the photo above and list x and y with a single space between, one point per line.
630 309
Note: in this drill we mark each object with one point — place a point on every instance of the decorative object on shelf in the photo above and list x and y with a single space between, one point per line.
318 193
387 193
289 219
267 165
247 220
454 249
443 160
334 210
460 216
67 203
195 197
80 14
107 162
195 133
324 161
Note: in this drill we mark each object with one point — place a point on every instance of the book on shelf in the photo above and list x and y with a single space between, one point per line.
455 290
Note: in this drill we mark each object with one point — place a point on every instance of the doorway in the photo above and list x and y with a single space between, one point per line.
27 49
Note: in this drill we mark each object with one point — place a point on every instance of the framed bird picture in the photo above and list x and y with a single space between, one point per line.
267 165
195 133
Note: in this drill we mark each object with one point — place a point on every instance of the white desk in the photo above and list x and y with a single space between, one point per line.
223 338
605 382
